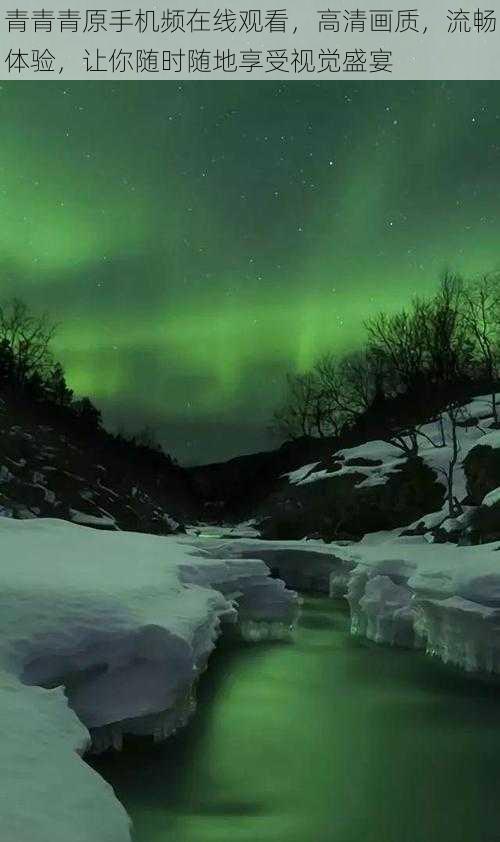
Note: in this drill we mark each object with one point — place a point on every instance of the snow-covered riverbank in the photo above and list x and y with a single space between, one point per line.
402 590
422 584
125 623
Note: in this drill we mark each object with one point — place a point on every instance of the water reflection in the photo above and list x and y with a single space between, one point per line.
326 740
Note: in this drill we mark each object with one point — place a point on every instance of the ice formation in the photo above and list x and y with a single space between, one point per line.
401 590
122 623
307 565
440 597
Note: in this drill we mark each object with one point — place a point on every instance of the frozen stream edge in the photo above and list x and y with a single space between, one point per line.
103 634
126 623
402 591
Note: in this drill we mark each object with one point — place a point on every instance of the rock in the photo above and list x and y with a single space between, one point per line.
482 471
485 524
55 471
336 507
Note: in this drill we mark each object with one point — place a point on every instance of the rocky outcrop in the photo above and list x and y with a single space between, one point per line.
50 471
485 524
345 506
482 471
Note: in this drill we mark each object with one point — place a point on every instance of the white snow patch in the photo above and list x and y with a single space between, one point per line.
491 439
492 498
5 474
91 520
301 473
245 529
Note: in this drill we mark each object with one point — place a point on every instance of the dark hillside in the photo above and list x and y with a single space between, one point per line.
53 466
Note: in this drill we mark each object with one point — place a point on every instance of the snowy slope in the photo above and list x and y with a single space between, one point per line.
126 623
377 460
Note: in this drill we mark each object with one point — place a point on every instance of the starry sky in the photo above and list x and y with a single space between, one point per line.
198 240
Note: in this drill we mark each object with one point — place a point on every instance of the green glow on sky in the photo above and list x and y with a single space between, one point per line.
199 240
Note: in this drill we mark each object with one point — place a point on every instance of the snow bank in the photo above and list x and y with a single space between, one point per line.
246 529
125 623
440 597
308 565
401 590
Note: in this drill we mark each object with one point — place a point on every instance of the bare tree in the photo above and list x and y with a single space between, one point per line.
338 405
398 342
302 413
482 316
28 336
148 437
415 362
329 398
425 345
456 415
405 439
447 341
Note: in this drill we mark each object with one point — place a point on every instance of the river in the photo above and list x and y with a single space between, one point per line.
327 739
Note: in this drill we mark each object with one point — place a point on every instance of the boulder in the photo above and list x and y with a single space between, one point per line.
346 507
482 471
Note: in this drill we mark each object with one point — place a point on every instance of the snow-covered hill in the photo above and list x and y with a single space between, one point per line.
375 461
383 485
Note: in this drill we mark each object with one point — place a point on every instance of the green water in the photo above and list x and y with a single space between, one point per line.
323 740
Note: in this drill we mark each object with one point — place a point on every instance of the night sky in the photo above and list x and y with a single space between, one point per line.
198 240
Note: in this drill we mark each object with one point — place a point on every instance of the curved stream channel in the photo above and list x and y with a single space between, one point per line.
324 740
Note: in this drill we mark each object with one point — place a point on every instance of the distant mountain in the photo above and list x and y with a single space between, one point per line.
232 490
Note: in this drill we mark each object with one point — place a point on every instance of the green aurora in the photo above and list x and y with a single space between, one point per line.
198 240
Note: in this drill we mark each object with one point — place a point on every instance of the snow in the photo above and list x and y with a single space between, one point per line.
481 407
5 474
125 622
434 448
301 473
373 451
246 529
441 597
309 565
92 520
402 590
492 498
386 459
491 440
48 793
314 476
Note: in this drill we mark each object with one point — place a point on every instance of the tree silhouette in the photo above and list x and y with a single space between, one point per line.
28 337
